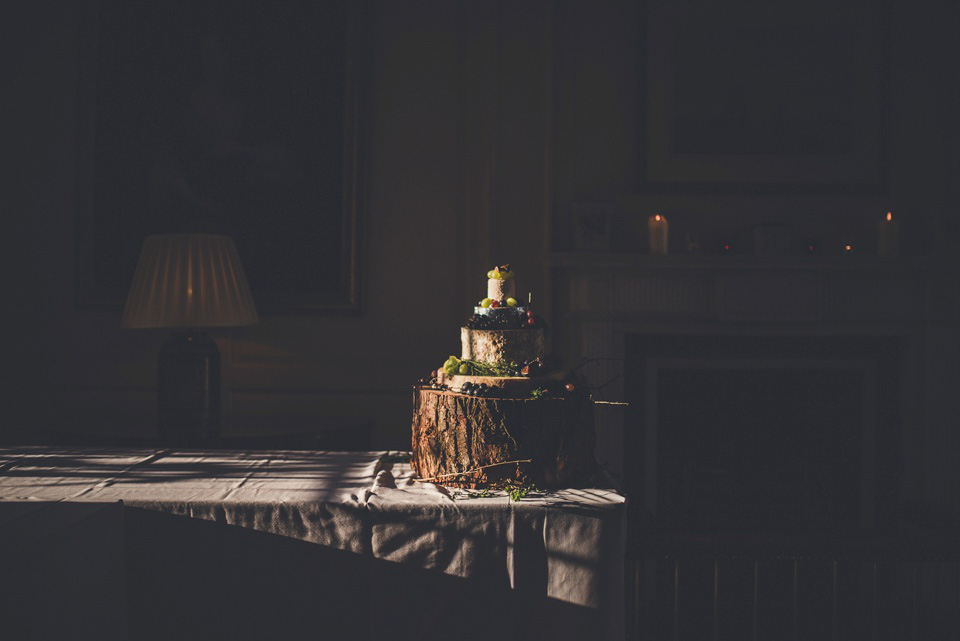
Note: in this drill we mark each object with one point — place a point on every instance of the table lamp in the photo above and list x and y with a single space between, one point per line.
188 282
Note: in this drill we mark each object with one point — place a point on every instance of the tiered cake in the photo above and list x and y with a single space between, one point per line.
499 412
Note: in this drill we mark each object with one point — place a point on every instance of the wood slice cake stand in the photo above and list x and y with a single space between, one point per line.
474 442
510 386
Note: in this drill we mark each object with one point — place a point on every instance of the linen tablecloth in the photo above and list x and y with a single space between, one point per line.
554 558
363 550
312 496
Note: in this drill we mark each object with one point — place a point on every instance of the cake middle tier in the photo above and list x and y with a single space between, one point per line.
494 345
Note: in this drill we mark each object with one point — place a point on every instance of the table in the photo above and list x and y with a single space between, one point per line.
284 544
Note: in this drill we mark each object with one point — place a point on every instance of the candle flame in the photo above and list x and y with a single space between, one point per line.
657 218
889 216
848 248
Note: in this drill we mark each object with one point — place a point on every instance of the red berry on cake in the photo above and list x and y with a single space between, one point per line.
494 304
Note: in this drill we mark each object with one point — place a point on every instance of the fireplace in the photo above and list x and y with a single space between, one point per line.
763 434
866 348
786 419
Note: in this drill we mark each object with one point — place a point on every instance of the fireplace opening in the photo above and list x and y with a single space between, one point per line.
763 435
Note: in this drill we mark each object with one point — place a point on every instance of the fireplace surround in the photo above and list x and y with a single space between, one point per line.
876 338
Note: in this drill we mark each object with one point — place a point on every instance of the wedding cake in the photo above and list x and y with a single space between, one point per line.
501 412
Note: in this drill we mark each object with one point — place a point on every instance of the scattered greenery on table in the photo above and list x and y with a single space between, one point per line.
473 494
515 491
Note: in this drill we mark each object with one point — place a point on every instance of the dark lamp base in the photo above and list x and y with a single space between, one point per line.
188 387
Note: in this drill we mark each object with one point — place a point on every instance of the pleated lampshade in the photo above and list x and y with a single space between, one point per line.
190 281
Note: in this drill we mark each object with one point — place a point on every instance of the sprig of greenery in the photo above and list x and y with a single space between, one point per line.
474 494
479 368
515 491
540 392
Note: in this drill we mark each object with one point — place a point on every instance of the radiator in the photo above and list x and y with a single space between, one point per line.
869 590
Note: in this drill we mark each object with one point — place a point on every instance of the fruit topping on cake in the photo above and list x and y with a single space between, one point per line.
501 285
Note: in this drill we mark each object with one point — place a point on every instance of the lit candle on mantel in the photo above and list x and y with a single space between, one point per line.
888 236
658 228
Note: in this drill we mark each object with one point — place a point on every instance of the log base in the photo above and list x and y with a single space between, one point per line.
472 442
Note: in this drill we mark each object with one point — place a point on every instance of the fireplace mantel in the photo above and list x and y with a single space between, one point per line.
756 288
601 298
744 261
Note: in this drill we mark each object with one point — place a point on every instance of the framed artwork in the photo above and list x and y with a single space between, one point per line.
236 117
750 95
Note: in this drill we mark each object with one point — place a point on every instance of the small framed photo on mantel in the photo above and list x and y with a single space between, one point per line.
592 224
752 95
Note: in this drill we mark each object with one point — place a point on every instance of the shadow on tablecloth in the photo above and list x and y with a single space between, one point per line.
195 579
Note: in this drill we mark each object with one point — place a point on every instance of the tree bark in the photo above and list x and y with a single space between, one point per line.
463 439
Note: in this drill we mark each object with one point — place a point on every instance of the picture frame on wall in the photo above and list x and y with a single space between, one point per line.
231 117
760 96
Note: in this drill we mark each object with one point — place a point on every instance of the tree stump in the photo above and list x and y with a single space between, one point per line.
468 441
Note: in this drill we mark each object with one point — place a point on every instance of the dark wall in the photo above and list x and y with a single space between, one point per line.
482 123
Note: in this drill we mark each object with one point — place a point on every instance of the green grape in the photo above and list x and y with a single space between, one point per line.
511 302
451 365
486 302
464 369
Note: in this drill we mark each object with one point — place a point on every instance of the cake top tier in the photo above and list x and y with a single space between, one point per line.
501 310
501 287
